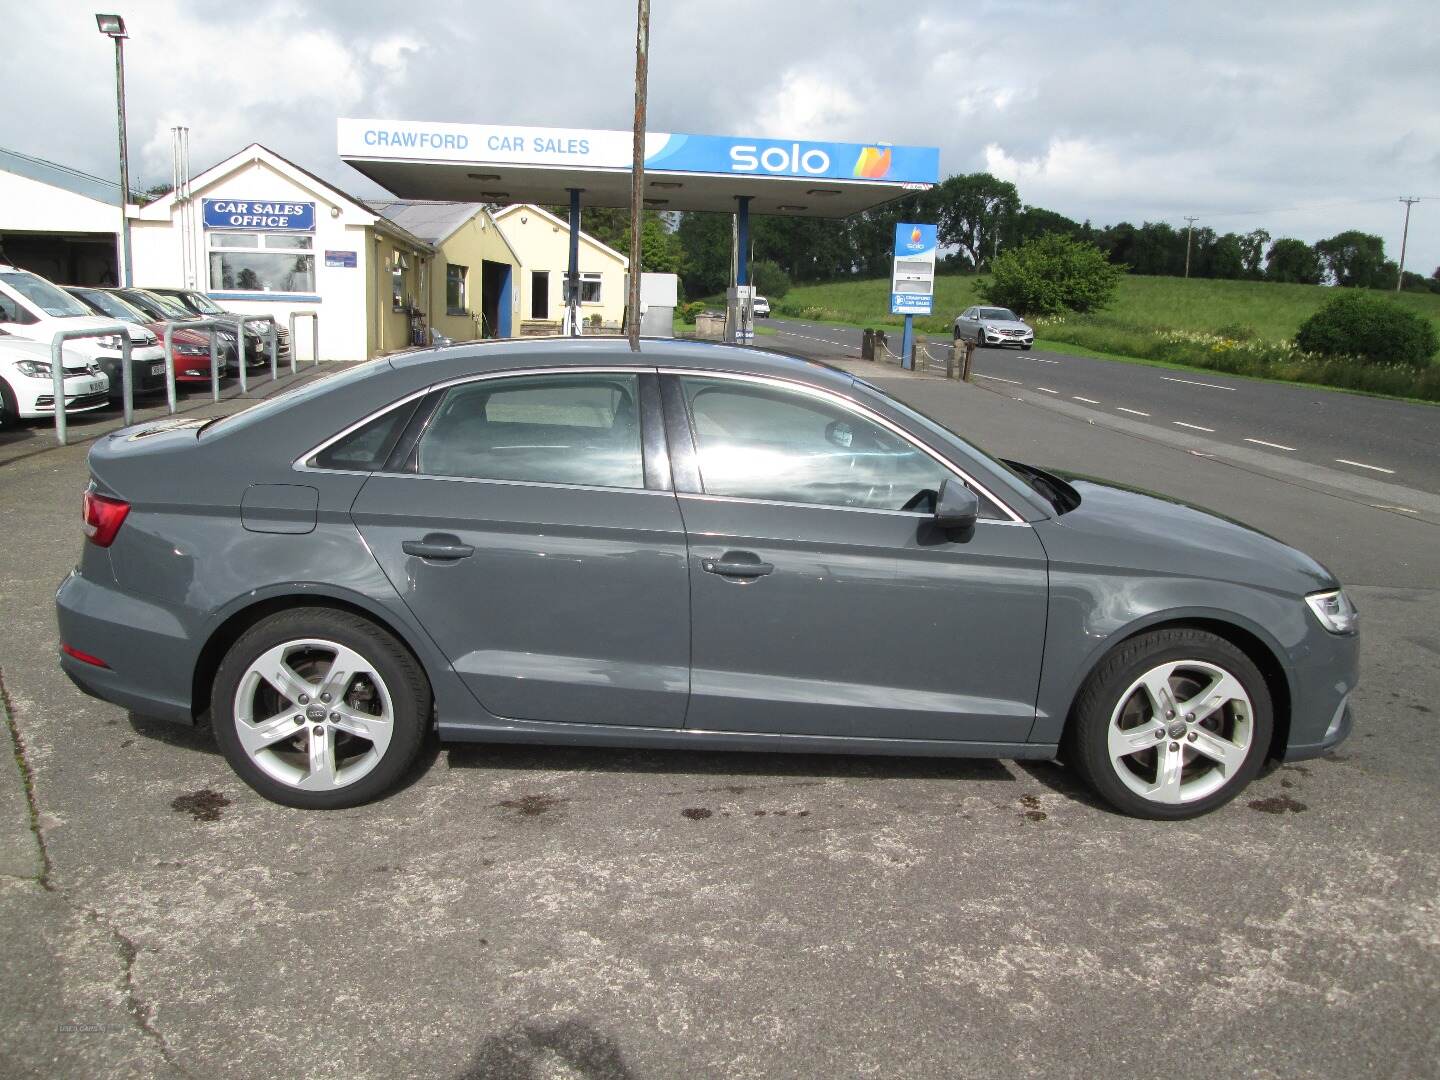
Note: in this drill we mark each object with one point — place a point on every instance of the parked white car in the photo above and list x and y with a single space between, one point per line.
27 384
762 308
33 308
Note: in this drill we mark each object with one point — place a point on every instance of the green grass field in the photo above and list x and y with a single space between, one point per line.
1266 309
1238 327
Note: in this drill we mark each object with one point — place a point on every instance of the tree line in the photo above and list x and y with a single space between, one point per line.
979 215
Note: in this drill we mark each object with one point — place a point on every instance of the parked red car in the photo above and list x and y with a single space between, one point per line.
192 348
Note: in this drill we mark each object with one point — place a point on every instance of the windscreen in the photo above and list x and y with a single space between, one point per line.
110 304
48 298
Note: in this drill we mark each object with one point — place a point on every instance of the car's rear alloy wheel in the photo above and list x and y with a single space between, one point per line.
1174 724
319 709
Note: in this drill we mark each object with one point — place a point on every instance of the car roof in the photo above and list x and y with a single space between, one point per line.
509 353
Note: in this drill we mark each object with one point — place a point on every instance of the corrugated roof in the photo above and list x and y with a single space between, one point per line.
61 176
430 221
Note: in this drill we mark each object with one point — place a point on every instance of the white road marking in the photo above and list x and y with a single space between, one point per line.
1197 427
1397 509
1042 360
1362 465
1046 390
1276 445
1086 400
1136 412
1192 382
996 378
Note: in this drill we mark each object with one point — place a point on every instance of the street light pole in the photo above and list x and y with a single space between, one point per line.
113 26
1189 229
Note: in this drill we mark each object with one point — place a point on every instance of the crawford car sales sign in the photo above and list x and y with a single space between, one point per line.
259 214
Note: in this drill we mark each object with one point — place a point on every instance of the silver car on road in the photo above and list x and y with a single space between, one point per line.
994 326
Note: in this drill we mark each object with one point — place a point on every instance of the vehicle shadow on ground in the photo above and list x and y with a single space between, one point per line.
530 1051
509 757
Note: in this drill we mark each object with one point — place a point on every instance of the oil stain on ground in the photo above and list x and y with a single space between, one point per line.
696 813
203 805
532 805
1278 804
1032 811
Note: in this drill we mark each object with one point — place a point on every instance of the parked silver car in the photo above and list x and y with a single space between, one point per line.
994 326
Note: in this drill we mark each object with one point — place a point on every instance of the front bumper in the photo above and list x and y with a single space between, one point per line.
1324 677
36 397
992 338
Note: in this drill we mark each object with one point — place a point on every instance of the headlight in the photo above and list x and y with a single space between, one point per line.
111 341
1334 610
192 350
36 369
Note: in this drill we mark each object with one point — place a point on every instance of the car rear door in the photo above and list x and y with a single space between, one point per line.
529 524
823 599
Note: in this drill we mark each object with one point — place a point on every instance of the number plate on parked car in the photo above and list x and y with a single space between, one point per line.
157 369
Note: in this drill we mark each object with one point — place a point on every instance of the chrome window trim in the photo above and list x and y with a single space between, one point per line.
302 462
851 406
918 514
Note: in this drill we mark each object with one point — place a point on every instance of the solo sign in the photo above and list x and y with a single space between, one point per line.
259 214
912 283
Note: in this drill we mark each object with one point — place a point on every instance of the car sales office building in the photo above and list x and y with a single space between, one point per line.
262 236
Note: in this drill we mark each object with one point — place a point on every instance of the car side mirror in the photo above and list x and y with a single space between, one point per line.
957 508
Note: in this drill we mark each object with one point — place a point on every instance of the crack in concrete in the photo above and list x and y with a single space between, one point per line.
140 1012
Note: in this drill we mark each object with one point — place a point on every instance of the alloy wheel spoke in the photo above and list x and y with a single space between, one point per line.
1227 754
262 736
1157 689
1223 689
321 760
366 726
343 669
289 683
1168 766
1133 740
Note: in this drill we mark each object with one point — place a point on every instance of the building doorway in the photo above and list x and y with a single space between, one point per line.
540 294
495 298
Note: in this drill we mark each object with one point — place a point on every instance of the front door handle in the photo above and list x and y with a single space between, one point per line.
737 564
440 546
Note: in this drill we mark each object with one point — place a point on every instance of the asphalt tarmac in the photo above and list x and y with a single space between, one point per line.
530 912
1366 437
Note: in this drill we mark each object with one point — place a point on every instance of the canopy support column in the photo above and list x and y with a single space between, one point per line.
572 273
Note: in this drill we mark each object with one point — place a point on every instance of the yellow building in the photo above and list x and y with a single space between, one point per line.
542 242
467 290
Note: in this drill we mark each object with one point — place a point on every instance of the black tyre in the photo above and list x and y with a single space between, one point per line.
319 709
1024 348
1171 725
9 409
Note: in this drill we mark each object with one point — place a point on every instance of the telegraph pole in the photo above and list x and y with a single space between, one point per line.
637 170
1409 201
1189 229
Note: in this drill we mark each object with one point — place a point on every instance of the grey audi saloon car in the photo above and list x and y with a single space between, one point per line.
693 545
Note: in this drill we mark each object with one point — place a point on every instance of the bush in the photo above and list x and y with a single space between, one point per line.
690 310
1049 275
1370 328
769 279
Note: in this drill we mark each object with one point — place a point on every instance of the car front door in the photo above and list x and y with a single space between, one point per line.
532 531
824 601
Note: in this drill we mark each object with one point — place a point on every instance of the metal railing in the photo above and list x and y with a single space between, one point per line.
239 322
57 371
193 324
314 317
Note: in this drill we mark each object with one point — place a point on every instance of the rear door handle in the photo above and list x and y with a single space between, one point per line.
440 546
737 564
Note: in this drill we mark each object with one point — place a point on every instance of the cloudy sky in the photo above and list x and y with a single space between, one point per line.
1304 118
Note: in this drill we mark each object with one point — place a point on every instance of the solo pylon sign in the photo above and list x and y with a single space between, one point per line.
912 282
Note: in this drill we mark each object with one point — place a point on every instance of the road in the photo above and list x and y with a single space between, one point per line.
1369 437
517 912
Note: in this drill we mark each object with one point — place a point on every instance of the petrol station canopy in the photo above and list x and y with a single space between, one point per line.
512 164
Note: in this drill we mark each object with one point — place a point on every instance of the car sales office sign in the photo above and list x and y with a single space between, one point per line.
259 214
912 284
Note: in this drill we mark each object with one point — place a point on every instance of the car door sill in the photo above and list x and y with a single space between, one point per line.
566 734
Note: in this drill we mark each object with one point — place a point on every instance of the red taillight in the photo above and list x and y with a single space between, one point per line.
83 657
103 518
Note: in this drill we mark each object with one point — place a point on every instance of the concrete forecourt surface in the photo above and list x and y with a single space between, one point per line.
527 912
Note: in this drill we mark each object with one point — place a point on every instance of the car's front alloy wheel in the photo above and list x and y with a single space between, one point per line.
1173 724
319 709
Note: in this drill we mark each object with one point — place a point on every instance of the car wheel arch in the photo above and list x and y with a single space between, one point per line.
1251 640
240 618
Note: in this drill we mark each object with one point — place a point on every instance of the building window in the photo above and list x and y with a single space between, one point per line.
399 294
589 289
455 298
262 262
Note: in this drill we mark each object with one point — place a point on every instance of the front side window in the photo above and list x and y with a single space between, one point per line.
589 289
547 429
262 262
756 441
455 299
